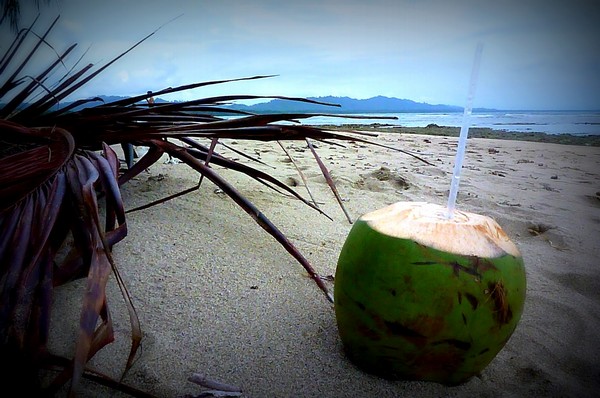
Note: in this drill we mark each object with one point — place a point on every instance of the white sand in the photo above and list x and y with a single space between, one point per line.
217 295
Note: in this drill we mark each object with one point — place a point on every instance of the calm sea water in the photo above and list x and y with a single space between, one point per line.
576 123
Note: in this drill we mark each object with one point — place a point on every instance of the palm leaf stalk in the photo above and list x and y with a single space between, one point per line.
57 165
300 173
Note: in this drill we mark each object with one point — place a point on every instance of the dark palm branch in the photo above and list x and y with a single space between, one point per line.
57 164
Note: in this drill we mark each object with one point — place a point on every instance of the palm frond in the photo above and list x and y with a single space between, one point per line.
57 163
49 191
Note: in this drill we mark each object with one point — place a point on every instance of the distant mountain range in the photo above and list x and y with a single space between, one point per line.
379 104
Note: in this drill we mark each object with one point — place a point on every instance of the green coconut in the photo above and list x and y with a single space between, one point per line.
419 296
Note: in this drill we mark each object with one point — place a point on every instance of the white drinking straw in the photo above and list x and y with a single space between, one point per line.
464 132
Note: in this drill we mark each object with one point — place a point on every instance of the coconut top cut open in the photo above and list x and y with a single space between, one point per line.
465 233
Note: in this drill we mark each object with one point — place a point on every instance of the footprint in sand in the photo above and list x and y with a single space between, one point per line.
532 375
379 179
395 179
593 200
562 328
551 234
292 182
548 233
585 284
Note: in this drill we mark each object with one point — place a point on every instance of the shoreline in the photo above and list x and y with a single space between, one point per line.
474 132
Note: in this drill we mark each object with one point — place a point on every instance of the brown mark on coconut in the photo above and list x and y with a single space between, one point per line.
502 312
398 329
461 345
456 266
368 332
472 300
481 264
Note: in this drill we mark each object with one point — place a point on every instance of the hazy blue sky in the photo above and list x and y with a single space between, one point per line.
538 54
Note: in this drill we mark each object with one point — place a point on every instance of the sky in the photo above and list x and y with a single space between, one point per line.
537 54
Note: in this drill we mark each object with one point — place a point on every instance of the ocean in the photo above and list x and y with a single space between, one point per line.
570 122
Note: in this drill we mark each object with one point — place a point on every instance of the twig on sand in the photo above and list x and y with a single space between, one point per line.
215 394
217 386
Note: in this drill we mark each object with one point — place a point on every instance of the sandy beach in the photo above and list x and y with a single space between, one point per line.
217 295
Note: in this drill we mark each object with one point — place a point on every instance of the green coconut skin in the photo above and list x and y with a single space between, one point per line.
407 311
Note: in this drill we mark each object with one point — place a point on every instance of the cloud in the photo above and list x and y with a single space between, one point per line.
123 76
412 49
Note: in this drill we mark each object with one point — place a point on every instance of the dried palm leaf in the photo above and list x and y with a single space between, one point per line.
57 163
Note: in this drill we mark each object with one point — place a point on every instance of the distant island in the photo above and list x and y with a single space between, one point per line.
379 104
